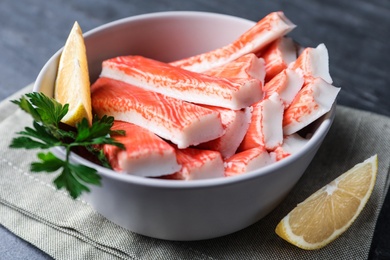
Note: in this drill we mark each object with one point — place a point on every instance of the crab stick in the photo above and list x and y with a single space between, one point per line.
291 145
265 129
182 84
314 100
278 56
248 66
145 154
313 62
236 124
265 31
287 84
181 122
198 164
247 161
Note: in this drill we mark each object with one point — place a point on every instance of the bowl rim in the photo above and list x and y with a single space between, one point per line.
165 14
319 133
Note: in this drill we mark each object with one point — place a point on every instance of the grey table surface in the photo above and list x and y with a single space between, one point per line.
356 33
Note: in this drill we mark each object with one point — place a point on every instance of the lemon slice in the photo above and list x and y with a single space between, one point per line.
330 211
72 83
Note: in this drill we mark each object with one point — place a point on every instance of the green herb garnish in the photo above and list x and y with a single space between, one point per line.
47 132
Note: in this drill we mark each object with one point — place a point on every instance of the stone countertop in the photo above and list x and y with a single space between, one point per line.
356 34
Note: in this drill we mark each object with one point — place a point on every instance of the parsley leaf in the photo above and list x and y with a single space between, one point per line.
68 180
46 133
38 132
49 163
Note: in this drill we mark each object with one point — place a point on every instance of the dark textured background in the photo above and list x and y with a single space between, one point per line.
356 33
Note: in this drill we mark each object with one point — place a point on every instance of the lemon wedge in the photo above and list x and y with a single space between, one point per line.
331 210
72 84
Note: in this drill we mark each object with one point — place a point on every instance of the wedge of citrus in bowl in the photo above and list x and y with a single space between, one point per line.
331 210
72 84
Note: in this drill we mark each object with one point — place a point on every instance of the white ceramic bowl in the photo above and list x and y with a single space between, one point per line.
179 210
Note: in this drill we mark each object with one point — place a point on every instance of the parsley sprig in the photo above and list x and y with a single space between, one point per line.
47 132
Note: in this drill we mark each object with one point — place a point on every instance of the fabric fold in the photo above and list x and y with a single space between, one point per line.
34 210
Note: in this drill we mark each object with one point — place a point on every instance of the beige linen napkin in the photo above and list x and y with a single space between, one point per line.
31 208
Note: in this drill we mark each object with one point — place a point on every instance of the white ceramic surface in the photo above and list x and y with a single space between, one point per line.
178 210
